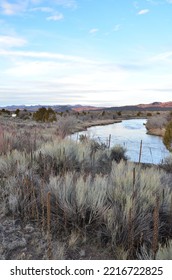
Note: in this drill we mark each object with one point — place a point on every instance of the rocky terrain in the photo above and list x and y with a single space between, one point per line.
21 242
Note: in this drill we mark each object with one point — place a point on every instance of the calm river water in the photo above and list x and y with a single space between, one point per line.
129 134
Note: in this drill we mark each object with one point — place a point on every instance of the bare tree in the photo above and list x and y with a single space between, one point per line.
66 125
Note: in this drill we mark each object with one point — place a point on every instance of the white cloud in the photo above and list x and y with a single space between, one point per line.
42 9
10 41
169 1
143 12
32 68
20 6
55 17
93 30
46 55
34 73
13 8
67 73
166 57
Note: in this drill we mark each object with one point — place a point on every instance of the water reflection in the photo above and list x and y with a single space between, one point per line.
129 134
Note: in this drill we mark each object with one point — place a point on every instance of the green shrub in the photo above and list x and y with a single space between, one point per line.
118 153
45 115
149 114
119 113
96 146
5 112
17 111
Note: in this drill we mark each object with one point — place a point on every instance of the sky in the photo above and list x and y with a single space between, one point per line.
88 52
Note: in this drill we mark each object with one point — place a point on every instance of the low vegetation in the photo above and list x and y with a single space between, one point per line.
160 125
45 115
84 195
157 122
167 139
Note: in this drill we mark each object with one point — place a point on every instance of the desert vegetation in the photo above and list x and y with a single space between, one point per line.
86 199
45 115
167 139
161 125
156 124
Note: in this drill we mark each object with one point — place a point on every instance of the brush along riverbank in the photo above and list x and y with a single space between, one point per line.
156 131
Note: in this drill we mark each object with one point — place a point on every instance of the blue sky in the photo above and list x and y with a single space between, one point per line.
89 52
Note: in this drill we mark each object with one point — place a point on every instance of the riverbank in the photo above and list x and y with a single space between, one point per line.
87 124
81 126
129 134
156 132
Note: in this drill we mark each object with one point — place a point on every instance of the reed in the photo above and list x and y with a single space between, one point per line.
130 233
131 216
1 139
49 251
155 227
26 195
35 212
42 206
134 186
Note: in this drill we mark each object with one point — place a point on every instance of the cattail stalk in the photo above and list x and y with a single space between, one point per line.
155 228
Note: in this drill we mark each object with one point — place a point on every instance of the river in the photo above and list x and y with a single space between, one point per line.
129 134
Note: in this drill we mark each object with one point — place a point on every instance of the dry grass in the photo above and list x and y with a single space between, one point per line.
164 252
79 194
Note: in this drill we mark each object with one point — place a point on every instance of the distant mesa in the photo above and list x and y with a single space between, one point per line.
157 105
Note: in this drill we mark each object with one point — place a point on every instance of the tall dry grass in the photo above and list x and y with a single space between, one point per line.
79 192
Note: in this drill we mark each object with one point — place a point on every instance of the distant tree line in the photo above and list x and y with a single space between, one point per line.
4 112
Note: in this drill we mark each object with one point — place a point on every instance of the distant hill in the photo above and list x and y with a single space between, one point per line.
155 106
86 108
57 108
33 108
